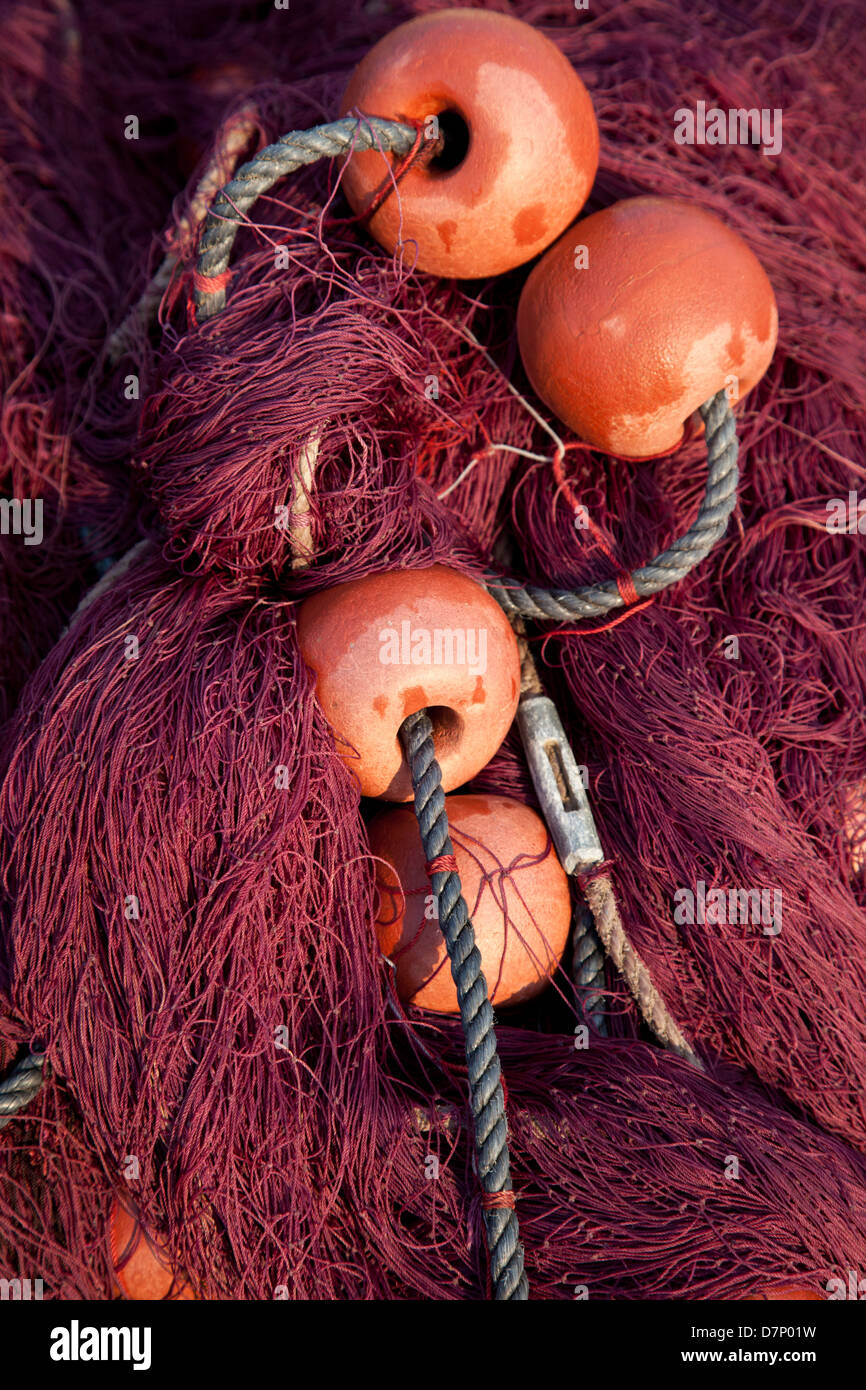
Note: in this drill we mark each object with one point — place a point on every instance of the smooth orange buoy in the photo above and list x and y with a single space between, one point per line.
786 1292
392 644
521 141
515 888
637 316
141 1268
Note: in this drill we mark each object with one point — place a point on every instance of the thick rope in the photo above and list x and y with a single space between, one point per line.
611 932
302 147
20 1086
587 969
563 605
587 961
486 1097
260 174
231 143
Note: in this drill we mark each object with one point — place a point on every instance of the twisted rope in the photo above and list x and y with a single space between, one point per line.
231 143
634 970
20 1086
258 175
302 147
486 1097
563 605
587 969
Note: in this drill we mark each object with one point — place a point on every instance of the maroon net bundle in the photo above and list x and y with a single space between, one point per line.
193 943
80 207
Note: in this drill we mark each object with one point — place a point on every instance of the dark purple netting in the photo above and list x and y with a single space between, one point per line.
167 909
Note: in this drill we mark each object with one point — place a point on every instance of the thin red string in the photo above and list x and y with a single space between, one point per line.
496 1201
209 284
443 864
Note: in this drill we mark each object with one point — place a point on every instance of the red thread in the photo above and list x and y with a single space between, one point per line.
592 631
394 177
597 871
627 592
497 1201
443 864
209 284
624 583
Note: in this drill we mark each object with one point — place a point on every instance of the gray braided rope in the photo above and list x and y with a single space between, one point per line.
587 969
634 970
302 147
487 1100
20 1086
258 175
709 526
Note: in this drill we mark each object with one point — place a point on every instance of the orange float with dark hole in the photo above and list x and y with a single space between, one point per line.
785 1292
520 141
388 645
638 315
515 888
141 1268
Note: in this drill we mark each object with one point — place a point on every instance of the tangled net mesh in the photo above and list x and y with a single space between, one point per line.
193 947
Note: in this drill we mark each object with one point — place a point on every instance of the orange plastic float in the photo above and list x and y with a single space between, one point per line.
637 316
391 644
515 888
141 1268
521 141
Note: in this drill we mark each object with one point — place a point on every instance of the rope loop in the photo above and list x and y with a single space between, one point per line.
710 524
259 175
210 280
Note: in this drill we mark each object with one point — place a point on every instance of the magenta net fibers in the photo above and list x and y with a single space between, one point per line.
151 781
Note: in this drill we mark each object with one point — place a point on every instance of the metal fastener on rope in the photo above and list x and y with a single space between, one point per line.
573 831
558 784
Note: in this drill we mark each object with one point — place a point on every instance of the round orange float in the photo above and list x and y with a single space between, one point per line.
389 645
521 141
637 316
515 888
141 1268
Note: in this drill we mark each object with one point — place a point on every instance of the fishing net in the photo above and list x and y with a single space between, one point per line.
192 943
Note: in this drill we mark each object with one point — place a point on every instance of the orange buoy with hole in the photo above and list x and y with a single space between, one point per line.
388 645
141 1268
785 1292
515 888
638 315
521 141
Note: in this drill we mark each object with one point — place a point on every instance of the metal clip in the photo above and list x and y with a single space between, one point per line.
558 784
